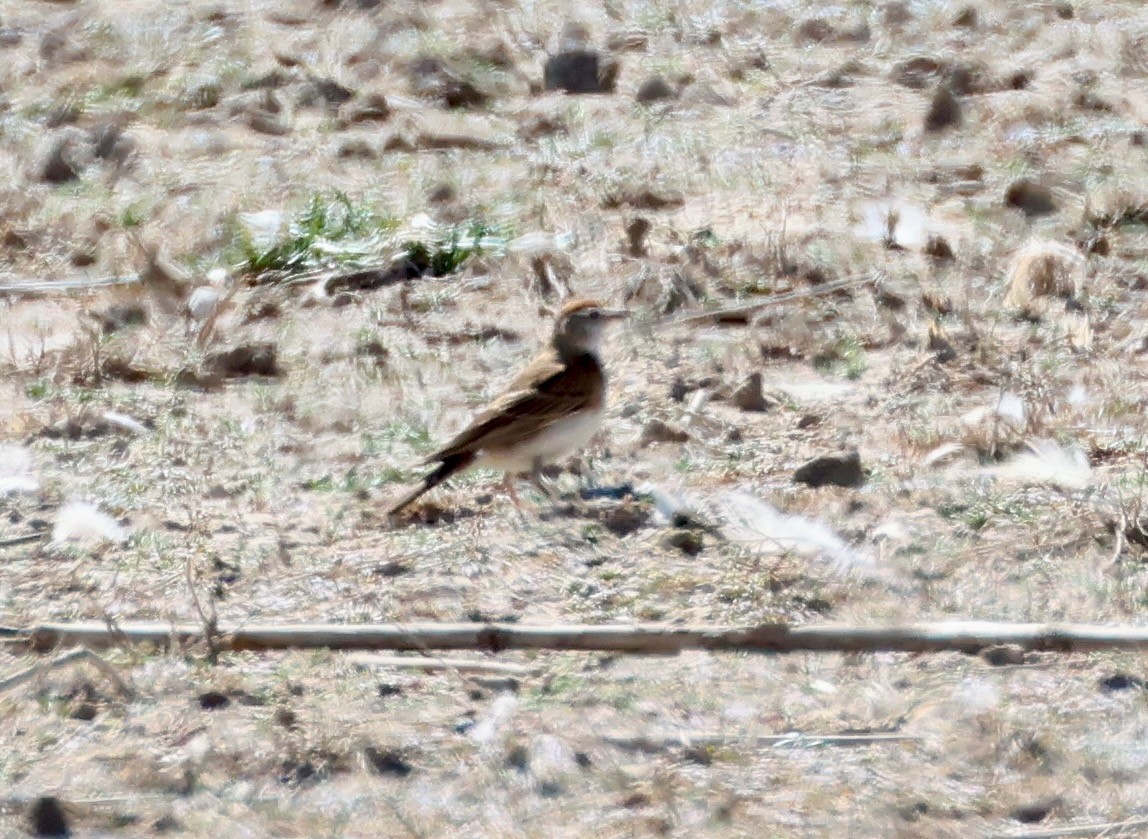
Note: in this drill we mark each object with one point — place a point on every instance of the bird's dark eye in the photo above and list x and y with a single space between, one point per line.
593 314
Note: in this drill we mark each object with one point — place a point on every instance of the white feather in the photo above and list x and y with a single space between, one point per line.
17 473
81 523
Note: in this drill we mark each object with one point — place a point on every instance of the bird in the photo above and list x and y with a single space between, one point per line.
553 407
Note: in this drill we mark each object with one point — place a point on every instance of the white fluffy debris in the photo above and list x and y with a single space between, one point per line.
944 453
83 524
491 727
125 423
540 242
203 302
1009 409
1049 463
895 223
17 474
551 761
263 228
757 525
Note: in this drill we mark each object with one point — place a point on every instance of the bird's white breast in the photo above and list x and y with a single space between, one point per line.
559 438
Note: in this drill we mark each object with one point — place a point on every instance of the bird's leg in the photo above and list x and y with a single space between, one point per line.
536 478
508 485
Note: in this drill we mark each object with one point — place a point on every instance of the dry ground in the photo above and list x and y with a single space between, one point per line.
796 146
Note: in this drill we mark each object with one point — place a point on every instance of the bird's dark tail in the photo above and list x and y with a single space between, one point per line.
449 466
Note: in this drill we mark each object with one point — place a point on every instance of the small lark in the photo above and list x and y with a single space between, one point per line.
552 408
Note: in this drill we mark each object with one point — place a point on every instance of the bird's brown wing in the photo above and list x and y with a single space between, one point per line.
546 391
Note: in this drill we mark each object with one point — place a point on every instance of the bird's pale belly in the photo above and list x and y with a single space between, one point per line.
560 438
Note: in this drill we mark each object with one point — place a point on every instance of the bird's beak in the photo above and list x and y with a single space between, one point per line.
615 314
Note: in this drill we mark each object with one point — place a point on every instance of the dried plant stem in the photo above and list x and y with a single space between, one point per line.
641 639
66 659
697 739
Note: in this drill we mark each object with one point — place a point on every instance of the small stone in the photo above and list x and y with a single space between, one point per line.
68 154
47 817
1003 655
1121 681
749 396
387 762
265 122
918 72
636 231
814 30
246 360
687 541
84 712
944 110
842 470
432 78
658 431
580 70
287 718
654 89
966 18
371 107
1030 197
213 700
1036 811
324 93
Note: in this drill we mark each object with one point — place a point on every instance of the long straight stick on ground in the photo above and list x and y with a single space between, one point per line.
639 639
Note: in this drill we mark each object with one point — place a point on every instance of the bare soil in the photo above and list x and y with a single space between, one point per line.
866 171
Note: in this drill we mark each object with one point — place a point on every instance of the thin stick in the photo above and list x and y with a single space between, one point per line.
1109 829
643 639
78 284
686 739
753 308
458 665
22 540
71 657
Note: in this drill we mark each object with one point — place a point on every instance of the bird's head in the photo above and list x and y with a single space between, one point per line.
582 324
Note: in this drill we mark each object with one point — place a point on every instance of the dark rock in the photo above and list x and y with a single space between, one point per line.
111 143
944 110
749 396
387 762
213 700
84 712
246 360
654 89
1031 198
1003 655
918 72
432 78
67 154
320 93
1037 811
47 817
814 30
581 70
1121 681
842 470
686 540
371 107
966 18
636 231
657 431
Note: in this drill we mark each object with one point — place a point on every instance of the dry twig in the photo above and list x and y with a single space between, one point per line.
71 657
969 637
